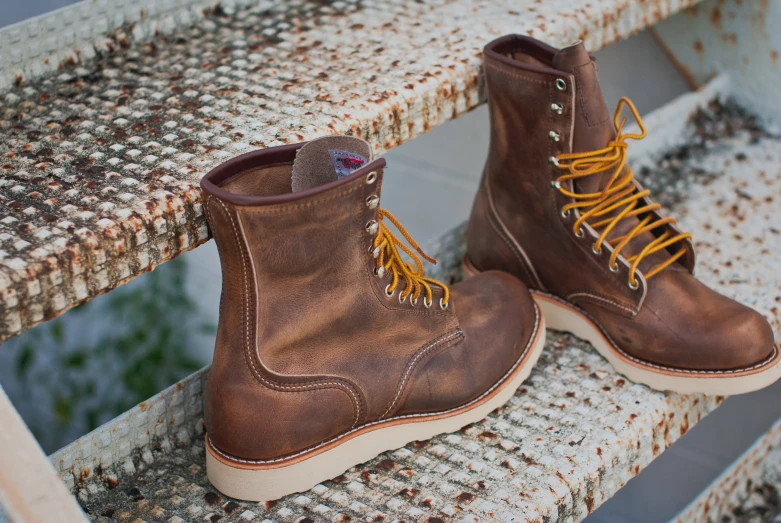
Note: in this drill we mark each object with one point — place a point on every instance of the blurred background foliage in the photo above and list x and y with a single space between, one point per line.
70 375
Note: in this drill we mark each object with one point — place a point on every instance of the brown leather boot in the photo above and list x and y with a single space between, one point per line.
330 348
558 208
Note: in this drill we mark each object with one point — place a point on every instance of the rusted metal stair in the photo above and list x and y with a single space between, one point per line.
102 151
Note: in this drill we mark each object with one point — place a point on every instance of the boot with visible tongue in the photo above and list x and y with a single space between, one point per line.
332 345
559 208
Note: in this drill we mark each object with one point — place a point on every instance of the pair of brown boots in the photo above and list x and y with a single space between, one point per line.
333 346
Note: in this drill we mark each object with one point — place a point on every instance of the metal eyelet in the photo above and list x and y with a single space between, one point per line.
595 250
443 306
402 300
414 302
553 161
555 184
553 136
379 272
579 232
371 177
565 214
612 267
561 85
427 304
636 285
557 108
374 251
372 201
372 227
389 294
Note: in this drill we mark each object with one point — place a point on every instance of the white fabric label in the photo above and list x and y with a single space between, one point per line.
346 162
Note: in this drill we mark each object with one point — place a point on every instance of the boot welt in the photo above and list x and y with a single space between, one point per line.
265 480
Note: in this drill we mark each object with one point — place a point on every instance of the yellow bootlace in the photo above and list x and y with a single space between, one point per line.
386 249
619 193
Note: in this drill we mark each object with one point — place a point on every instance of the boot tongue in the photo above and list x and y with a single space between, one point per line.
328 159
593 126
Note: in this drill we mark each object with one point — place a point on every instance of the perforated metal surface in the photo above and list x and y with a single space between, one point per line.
566 442
101 158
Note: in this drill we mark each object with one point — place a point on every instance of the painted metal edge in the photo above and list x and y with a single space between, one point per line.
30 489
731 36
732 487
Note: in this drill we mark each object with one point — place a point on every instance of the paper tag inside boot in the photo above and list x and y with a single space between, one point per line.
346 162
328 159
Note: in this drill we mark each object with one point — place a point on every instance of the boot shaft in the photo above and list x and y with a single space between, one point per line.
303 308
537 113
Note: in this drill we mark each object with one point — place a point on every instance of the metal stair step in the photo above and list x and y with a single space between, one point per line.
572 435
113 110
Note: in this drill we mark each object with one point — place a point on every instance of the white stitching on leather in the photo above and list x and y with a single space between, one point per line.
258 375
515 248
406 416
413 362
604 299
654 365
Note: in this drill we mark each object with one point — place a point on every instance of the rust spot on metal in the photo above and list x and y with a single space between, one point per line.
111 482
715 17
387 464
589 499
135 494
487 436
685 424
465 497
408 492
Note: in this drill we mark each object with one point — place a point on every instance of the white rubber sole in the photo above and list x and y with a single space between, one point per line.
270 480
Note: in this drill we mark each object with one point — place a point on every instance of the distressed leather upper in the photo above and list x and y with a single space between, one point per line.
517 226
308 345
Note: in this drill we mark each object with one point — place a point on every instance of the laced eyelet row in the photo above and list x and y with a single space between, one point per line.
597 250
372 227
426 303
555 136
